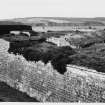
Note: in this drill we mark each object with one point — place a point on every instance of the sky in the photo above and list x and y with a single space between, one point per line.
51 8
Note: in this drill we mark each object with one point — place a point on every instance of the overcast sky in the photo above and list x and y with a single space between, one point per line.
51 8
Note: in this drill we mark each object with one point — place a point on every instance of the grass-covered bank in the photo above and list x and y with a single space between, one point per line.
9 94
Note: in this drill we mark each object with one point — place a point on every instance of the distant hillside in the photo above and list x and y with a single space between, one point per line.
58 21
93 23
10 23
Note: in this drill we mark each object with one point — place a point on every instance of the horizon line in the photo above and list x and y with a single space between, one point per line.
75 17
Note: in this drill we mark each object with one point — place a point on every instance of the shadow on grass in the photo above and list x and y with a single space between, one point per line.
8 94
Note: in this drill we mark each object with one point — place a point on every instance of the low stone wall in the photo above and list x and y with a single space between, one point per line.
44 83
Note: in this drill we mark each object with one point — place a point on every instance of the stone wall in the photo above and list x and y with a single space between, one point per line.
78 84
